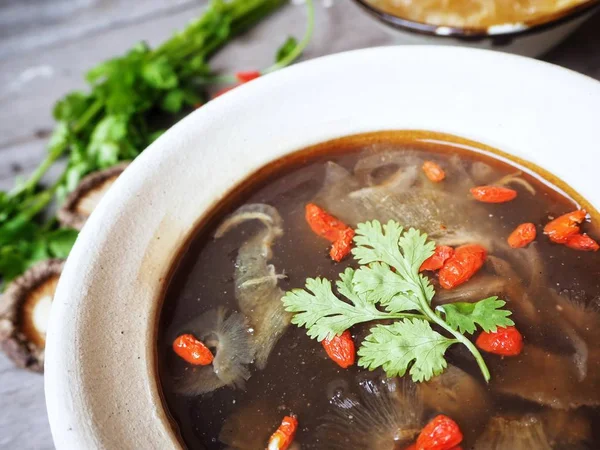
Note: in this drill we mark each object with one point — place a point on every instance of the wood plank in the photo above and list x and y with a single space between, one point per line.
31 25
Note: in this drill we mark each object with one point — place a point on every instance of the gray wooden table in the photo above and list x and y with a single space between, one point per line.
46 46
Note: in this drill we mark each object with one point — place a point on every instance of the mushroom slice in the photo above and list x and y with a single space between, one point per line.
256 282
24 313
385 414
458 395
250 426
228 336
567 429
513 433
83 200
560 387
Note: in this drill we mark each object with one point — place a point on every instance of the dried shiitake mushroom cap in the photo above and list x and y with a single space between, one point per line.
82 201
24 314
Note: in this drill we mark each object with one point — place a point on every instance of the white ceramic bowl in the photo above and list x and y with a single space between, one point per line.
528 38
101 387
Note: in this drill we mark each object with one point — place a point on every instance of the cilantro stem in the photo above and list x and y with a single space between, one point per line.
87 116
459 337
384 316
310 25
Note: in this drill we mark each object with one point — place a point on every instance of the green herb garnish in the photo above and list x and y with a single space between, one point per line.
387 286
131 101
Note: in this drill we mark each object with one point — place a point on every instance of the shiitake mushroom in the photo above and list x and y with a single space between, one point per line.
82 201
24 313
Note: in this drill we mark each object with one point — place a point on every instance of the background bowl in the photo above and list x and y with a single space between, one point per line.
528 39
101 385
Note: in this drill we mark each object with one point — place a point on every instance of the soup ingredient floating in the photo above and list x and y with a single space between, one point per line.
493 194
433 171
522 236
566 230
340 349
504 341
332 229
284 436
389 277
192 350
442 433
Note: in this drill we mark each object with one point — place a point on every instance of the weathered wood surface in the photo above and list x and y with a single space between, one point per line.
45 47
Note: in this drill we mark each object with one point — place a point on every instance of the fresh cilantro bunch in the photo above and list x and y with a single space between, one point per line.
131 101
387 286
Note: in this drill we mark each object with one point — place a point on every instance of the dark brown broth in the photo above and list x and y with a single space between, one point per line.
299 375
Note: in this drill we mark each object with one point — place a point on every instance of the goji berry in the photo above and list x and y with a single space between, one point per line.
340 349
582 242
561 228
342 245
433 171
493 194
523 235
192 350
284 435
332 229
461 266
436 261
505 341
442 433
244 77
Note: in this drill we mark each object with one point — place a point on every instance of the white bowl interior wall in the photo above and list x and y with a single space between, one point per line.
100 373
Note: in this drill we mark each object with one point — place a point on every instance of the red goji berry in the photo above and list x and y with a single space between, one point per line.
461 266
433 171
340 349
284 435
332 229
442 433
582 242
505 341
192 350
244 77
493 194
436 261
560 229
342 246
523 235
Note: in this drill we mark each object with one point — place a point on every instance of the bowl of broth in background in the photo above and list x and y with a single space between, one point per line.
528 28
211 233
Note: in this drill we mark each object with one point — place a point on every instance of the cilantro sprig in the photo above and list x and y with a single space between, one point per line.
132 99
388 286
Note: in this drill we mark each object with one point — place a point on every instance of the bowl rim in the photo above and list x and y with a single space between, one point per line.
100 396
506 31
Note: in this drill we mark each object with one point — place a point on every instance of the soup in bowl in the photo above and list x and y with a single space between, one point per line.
413 263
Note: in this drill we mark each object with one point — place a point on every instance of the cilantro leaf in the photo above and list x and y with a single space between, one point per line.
486 313
404 252
406 345
286 49
389 246
381 285
61 241
389 276
160 74
322 313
